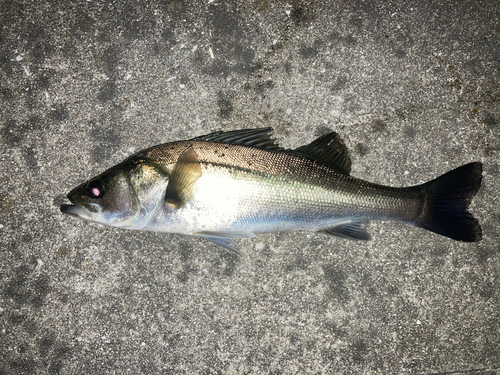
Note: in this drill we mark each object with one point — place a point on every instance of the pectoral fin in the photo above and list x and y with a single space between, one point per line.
355 230
225 239
186 171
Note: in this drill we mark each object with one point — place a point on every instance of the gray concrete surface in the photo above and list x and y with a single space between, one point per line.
412 87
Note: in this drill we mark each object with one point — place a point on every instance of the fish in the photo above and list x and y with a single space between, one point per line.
236 184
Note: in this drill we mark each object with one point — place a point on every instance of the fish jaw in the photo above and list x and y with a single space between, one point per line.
69 209
94 213
84 211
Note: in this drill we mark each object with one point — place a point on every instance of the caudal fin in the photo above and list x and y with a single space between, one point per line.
447 199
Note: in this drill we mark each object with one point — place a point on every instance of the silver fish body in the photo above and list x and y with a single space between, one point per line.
236 184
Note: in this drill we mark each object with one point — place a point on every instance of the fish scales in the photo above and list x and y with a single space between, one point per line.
284 190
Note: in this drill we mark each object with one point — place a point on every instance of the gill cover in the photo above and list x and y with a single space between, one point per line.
123 196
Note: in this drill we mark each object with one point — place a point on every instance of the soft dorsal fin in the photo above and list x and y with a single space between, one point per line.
186 171
259 138
330 149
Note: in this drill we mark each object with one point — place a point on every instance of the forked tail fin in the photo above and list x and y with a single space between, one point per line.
446 201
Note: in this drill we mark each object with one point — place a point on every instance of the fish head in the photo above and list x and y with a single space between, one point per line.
127 196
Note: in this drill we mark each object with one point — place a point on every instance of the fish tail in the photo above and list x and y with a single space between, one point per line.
446 201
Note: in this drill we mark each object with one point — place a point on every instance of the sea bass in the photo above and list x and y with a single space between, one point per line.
229 185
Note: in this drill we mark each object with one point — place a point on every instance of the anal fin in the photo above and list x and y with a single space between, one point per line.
354 230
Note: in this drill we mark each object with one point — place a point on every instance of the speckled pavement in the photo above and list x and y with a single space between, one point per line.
412 87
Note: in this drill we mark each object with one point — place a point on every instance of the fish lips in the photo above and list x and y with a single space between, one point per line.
81 210
69 209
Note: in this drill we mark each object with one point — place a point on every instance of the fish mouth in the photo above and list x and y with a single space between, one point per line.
81 210
69 209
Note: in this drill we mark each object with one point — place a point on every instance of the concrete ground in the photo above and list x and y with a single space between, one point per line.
412 87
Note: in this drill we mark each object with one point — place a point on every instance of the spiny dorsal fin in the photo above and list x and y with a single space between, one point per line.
186 171
355 230
330 149
259 138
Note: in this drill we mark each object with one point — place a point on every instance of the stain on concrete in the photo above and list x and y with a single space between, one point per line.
336 281
225 105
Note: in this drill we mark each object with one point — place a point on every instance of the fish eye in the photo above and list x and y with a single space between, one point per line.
96 188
